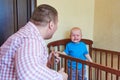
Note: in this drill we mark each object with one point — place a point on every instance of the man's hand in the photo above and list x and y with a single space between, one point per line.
50 58
55 54
65 76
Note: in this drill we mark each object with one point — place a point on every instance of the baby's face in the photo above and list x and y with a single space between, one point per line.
76 35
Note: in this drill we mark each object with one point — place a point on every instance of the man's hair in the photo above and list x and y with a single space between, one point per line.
43 14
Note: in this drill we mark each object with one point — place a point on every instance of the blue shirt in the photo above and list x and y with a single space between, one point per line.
76 50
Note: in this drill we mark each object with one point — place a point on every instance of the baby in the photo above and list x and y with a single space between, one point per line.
77 49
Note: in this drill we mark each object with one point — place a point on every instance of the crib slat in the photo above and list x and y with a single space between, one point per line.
95 61
95 56
82 71
58 66
106 64
66 69
111 65
118 62
117 77
76 70
106 75
100 63
71 70
90 73
97 74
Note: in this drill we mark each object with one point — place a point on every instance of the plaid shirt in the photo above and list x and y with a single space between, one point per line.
24 57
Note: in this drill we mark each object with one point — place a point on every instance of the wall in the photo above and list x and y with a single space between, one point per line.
107 24
98 19
72 13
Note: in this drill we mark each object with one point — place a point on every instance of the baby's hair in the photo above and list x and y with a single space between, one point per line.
75 28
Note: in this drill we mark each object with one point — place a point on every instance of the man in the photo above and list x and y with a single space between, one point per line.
24 55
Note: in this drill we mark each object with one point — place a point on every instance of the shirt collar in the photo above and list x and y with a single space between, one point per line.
35 30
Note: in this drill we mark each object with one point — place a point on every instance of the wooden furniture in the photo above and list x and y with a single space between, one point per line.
13 15
59 45
96 71
63 43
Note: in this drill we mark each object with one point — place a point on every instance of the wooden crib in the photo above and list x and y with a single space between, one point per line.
105 66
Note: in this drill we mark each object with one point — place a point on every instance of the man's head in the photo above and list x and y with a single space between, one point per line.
45 17
75 34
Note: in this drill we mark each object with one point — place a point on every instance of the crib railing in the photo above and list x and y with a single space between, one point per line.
105 66
106 57
95 71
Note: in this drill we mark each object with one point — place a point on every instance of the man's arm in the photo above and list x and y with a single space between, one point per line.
31 63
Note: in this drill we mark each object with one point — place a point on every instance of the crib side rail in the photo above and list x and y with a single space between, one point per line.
95 71
106 57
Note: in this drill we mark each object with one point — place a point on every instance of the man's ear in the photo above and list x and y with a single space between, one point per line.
51 25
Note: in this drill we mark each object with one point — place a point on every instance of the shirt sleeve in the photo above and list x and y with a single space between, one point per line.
31 63
85 48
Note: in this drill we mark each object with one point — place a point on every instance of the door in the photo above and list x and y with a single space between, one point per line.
13 15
